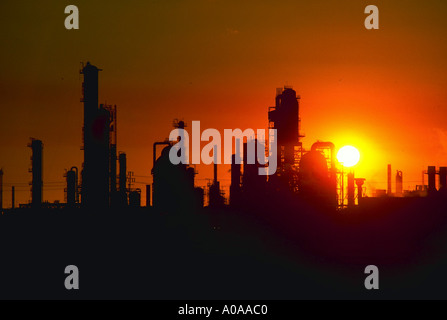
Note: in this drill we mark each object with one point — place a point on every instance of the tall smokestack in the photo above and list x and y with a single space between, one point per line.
37 183
285 119
235 188
96 173
13 196
215 198
389 191
215 164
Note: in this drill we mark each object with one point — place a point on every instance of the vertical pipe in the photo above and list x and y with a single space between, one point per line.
245 158
91 179
342 188
215 164
235 180
37 182
214 190
351 190
238 158
75 169
183 155
235 172
359 193
389 191
399 184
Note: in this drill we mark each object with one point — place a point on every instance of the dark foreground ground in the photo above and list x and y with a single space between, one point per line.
279 252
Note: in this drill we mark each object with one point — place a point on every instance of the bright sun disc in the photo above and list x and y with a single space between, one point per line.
348 156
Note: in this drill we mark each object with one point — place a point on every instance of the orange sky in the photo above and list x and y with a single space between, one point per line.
383 91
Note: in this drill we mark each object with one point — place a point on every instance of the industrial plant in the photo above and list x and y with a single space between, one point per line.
312 175
313 211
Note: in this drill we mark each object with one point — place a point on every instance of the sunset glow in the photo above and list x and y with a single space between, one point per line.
375 90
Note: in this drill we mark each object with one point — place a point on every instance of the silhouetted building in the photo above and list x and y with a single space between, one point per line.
99 152
284 117
173 187
36 169
94 184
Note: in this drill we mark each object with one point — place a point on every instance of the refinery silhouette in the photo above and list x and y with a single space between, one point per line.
306 231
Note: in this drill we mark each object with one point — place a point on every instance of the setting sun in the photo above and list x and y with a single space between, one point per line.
349 156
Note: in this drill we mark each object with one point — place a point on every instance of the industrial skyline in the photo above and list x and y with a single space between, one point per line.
160 66
93 116
103 180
